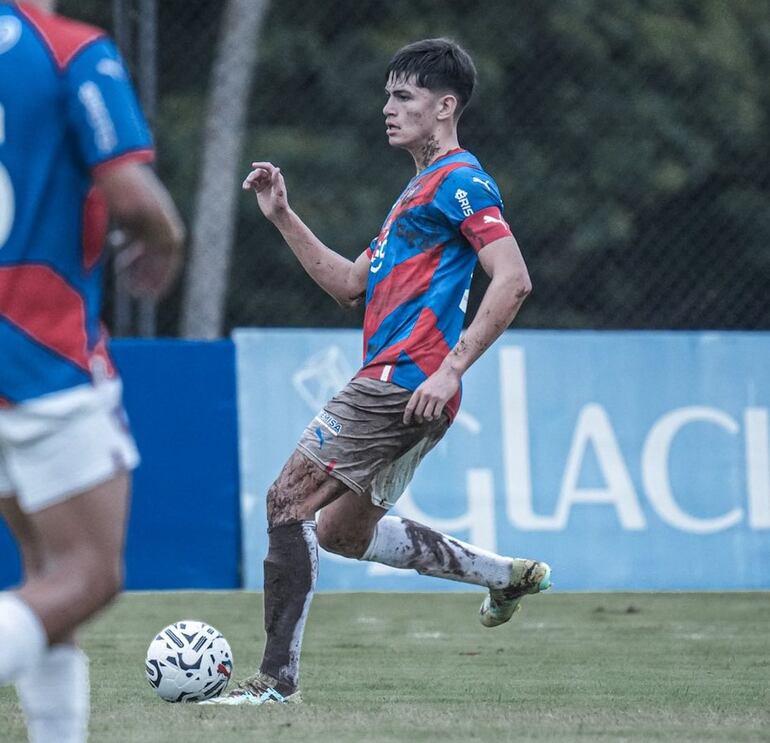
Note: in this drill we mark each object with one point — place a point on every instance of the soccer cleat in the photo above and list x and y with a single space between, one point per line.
527 576
257 689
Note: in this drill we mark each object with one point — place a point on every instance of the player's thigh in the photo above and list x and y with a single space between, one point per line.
24 532
360 433
391 481
301 489
346 526
18 523
88 527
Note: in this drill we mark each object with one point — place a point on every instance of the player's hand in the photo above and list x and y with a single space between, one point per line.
267 183
428 400
149 274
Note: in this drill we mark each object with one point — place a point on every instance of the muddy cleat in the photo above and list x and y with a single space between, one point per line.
527 576
257 689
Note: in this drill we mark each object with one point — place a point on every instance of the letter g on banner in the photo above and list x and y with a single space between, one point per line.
655 458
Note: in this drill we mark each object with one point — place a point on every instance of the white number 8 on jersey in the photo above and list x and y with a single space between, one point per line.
7 203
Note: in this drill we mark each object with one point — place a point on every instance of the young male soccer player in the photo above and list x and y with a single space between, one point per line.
356 457
73 148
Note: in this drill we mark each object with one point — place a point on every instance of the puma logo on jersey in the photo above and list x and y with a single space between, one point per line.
111 68
10 33
484 183
492 220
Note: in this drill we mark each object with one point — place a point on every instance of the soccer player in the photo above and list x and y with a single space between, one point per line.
73 151
356 457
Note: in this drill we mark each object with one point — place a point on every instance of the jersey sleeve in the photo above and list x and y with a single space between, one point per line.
471 201
103 110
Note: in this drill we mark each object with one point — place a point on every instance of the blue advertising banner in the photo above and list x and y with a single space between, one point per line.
628 460
184 527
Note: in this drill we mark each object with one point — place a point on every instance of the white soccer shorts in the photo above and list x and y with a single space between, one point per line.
62 444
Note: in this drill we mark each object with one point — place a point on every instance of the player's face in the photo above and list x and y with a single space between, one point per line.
410 113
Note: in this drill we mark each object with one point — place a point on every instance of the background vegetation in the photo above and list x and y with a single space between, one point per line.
630 139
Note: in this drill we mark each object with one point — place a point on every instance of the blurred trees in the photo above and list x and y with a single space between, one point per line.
214 220
629 138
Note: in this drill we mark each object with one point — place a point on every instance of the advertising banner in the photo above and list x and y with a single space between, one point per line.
627 460
184 526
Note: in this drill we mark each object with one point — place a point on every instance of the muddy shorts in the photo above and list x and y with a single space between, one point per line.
360 438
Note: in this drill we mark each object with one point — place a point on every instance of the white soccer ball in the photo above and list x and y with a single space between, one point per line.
189 661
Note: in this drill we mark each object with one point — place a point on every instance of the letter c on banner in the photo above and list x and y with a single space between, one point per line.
655 469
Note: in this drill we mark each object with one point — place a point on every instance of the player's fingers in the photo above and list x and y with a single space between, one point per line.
128 256
418 414
429 413
255 178
438 410
250 181
409 410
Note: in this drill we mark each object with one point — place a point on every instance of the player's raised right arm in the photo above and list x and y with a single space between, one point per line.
343 279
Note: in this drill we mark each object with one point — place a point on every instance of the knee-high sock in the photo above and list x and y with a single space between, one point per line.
401 543
23 637
291 567
54 695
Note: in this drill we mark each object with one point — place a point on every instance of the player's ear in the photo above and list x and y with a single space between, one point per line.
447 106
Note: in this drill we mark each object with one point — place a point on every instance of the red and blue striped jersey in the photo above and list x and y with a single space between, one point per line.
67 108
420 270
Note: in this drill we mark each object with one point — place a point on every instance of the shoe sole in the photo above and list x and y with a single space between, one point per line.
488 619
250 700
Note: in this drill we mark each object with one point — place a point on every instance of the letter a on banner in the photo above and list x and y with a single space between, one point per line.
594 427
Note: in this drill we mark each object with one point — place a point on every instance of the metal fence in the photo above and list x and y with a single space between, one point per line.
630 139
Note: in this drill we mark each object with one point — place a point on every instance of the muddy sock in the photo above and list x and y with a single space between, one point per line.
401 543
291 567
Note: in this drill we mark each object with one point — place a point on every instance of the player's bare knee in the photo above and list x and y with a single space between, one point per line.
341 546
104 585
33 560
96 579
300 490
112 581
346 542
282 506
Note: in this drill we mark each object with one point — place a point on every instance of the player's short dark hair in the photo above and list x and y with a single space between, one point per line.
436 64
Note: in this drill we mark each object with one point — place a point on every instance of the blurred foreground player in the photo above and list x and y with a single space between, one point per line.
357 456
73 148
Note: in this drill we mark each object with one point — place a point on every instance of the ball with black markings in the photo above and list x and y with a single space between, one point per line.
189 661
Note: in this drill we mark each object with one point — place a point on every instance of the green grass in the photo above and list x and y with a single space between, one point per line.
419 667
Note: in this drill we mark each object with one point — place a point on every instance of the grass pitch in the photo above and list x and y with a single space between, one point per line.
419 667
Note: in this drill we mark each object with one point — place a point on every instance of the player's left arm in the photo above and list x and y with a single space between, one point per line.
509 287
142 206
114 142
